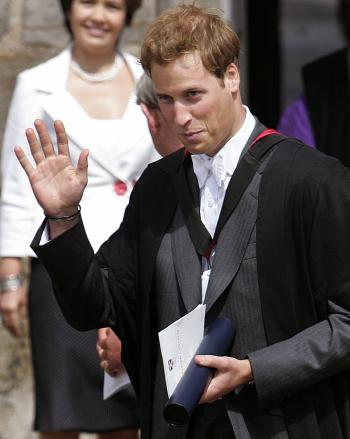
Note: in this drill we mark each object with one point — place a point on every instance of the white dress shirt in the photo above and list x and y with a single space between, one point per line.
213 175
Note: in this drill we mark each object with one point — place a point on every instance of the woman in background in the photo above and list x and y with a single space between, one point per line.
90 85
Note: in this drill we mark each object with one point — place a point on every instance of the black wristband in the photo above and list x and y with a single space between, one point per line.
64 217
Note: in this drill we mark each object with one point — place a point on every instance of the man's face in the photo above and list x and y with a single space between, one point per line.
203 110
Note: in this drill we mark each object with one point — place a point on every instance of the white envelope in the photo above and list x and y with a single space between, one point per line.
178 344
112 385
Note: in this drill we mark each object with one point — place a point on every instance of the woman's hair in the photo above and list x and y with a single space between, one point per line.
131 7
186 29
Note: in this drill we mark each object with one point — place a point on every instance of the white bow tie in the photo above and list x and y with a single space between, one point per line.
204 165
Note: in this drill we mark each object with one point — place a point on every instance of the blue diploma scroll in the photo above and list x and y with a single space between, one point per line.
190 388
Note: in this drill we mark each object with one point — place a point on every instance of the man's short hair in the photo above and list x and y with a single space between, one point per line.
186 29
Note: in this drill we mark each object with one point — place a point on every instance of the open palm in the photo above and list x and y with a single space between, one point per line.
57 184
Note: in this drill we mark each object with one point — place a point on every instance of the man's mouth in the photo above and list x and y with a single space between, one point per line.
191 134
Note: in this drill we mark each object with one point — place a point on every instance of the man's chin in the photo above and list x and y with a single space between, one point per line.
193 149
198 148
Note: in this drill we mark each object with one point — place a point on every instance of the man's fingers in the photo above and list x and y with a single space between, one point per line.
45 141
212 392
62 139
98 348
82 165
203 398
102 333
44 148
103 343
101 338
208 361
102 354
230 373
35 146
24 161
105 366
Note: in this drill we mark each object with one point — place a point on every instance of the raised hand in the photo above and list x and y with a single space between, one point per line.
57 185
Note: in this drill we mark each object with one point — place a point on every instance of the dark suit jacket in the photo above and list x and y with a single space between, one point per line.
327 94
303 245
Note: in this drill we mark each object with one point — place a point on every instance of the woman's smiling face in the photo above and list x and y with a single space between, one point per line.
97 24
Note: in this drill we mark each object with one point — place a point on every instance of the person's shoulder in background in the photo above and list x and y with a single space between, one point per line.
295 122
45 73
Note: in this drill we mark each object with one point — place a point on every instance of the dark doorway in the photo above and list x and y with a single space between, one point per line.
264 60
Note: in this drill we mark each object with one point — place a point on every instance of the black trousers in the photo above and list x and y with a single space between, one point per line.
210 421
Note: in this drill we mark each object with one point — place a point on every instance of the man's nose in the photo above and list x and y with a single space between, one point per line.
182 114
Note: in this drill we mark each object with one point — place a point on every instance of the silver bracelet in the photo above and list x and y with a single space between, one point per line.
11 283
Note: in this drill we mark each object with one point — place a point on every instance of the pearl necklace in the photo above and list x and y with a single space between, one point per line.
98 77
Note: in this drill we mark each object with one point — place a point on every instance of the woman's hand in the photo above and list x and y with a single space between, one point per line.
13 309
57 185
13 296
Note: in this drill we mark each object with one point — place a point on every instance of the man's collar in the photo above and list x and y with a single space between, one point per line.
234 147
229 154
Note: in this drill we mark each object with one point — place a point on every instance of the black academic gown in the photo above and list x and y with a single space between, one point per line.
303 254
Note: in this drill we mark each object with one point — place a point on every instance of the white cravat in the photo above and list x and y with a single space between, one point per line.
203 165
213 175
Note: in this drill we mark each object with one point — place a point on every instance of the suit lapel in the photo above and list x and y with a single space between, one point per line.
186 262
231 247
188 199
234 237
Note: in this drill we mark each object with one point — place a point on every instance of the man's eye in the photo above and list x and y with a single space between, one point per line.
193 94
164 98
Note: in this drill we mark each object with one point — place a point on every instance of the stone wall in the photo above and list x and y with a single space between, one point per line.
29 34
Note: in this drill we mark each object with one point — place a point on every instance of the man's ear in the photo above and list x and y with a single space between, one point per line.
152 116
232 78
